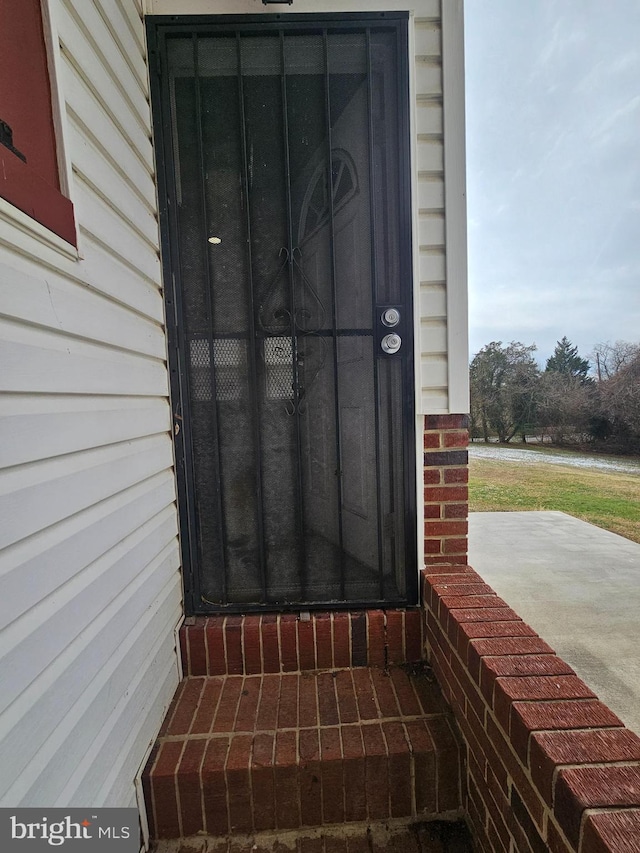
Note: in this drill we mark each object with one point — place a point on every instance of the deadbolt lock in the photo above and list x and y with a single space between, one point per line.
390 317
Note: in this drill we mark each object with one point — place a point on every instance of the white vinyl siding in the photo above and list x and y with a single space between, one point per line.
433 391
90 592
438 180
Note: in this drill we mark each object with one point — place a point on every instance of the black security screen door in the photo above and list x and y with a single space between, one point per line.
283 152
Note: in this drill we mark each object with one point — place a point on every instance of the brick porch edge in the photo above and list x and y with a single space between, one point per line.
549 767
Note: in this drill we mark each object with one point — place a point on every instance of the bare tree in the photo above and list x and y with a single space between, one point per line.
619 407
610 358
564 408
503 388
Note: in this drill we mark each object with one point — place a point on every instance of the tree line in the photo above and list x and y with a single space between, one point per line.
573 401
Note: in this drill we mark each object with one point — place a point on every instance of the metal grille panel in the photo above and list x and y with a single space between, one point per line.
286 186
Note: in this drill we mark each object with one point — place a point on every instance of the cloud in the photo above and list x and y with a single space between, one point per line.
629 61
553 171
603 134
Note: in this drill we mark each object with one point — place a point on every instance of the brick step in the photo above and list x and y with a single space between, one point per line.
293 642
390 836
245 754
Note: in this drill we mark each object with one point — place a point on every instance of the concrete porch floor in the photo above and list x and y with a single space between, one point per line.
578 586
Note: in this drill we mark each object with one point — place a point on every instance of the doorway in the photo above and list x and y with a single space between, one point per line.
282 146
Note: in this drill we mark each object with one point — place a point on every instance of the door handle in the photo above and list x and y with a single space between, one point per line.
391 343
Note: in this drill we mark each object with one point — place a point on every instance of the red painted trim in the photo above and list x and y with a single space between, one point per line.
25 105
29 192
25 90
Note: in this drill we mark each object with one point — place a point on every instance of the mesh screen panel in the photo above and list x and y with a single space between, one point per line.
392 475
385 119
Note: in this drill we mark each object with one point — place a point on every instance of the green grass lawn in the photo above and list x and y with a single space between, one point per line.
609 499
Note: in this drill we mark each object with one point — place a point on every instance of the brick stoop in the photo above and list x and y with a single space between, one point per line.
301 753
285 642
388 837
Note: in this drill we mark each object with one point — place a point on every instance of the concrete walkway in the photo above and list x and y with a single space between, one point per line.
578 586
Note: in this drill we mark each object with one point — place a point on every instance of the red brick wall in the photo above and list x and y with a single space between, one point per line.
446 491
549 767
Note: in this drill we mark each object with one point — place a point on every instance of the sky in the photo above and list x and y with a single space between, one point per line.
553 171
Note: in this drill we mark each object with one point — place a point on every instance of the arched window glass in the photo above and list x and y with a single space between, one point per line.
316 206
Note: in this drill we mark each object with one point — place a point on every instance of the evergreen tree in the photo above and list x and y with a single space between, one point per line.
565 360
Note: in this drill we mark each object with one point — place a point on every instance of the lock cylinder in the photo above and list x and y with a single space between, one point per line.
390 317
